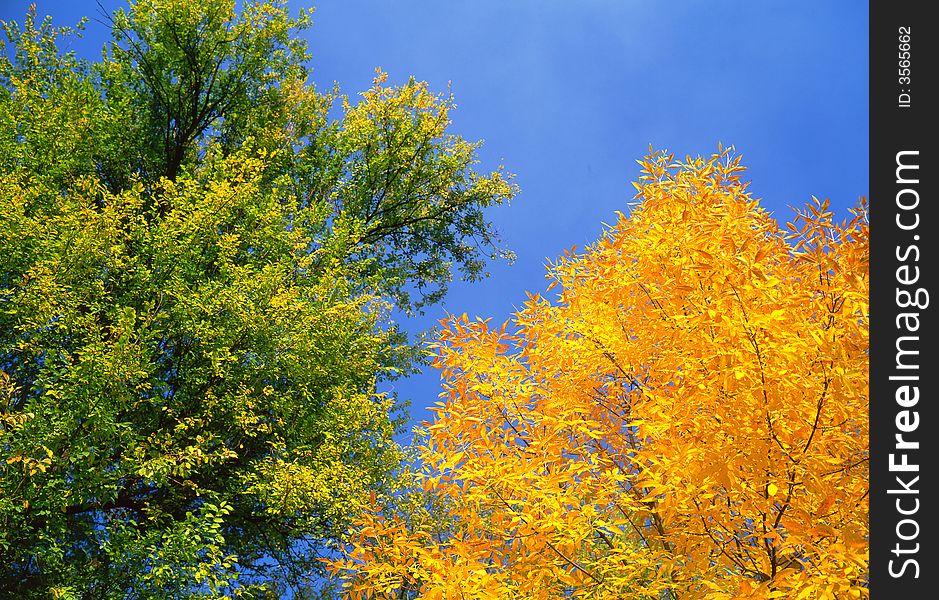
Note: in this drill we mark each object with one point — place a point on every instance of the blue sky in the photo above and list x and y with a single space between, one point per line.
568 95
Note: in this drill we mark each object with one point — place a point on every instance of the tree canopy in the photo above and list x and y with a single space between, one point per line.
688 418
200 258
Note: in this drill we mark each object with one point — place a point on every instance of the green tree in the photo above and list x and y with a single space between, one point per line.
201 255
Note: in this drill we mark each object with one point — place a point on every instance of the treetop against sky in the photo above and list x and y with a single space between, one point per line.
221 239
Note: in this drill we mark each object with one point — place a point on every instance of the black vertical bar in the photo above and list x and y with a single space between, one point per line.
904 262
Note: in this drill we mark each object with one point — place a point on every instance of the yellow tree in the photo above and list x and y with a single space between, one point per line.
688 419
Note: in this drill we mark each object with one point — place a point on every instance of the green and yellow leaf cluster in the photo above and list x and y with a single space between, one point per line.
200 255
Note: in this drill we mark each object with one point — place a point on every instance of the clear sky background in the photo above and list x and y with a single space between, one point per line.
569 94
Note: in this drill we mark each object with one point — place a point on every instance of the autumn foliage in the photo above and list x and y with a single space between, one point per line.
688 419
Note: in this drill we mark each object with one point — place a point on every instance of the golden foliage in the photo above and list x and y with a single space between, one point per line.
688 419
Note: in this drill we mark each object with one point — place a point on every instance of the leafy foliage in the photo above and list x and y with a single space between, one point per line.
200 258
688 419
